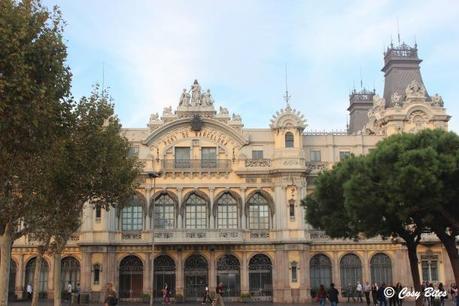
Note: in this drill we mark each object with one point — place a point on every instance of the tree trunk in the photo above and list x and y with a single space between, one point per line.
57 279
413 257
450 244
6 241
36 279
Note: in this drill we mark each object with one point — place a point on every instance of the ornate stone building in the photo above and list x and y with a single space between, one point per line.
226 207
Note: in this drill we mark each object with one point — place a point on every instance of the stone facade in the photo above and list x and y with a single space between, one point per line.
227 206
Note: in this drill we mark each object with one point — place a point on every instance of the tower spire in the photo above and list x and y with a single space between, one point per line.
287 96
398 32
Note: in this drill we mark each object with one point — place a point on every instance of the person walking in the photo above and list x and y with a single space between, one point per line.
166 294
219 296
359 289
69 292
455 294
29 291
78 290
381 296
393 299
111 298
332 295
321 295
367 291
350 293
398 288
374 293
206 296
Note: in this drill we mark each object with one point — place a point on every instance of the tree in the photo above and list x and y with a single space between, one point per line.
90 166
34 112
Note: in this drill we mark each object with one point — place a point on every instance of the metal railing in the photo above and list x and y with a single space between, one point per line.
202 165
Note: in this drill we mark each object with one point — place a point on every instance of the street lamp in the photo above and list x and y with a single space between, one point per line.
153 175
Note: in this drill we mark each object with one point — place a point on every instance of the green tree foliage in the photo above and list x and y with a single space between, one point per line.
405 187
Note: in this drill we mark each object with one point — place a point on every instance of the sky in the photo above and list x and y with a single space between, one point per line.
147 51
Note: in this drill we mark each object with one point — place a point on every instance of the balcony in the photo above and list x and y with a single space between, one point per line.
315 167
258 163
196 165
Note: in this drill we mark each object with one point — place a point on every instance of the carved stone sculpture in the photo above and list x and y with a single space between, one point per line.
184 98
415 90
195 93
396 99
437 100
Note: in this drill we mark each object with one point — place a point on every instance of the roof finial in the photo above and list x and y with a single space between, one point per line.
398 32
361 81
287 96
415 42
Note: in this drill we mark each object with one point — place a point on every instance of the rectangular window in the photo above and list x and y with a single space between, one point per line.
294 274
344 154
429 265
257 154
209 157
133 151
98 213
292 211
315 156
96 274
182 157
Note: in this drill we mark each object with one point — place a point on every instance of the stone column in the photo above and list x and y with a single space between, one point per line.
51 277
85 279
19 282
149 257
148 217
280 277
336 275
366 277
244 274
212 271
211 212
179 206
110 268
304 275
243 216
278 223
179 281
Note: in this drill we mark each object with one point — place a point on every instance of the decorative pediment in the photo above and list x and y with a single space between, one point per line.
415 90
288 118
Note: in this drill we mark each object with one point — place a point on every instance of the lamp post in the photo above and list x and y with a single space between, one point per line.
153 175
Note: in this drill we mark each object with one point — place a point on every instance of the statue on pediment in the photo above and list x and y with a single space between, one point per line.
154 117
415 89
437 100
185 98
396 99
236 117
223 111
167 111
195 93
206 99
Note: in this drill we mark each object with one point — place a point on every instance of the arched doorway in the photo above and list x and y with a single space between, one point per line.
164 274
351 270
260 276
228 273
321 272
131 277
30 271
70 272
196 275
12 281
381 269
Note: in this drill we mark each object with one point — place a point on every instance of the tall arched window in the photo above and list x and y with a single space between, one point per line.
260 276
381 269
70 272
228 273
351 270
259 212
289 140
164 212
227 212
164 274
196 275
196 212
132 216
320 271
131 277
30 271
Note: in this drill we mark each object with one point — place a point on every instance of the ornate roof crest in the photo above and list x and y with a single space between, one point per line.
288 118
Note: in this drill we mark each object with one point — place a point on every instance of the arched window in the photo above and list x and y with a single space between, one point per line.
321 271
132 216
96 269
30 271
289 140
131 277
196 212
259 212
351 270
12 282
196 275
70 272
260 276
227 212
164 212
164 274
381 269
228 273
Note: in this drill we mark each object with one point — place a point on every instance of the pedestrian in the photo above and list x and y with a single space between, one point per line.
332 295
367 291
206 296
350 292
111 298
69 292
166 294
321 295
374 293
443 294
78 290
29 291
455 294
381 296
219 296
359 289
398 288
393 299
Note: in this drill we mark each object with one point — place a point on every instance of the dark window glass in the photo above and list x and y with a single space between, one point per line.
289 140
